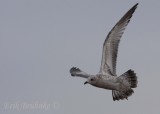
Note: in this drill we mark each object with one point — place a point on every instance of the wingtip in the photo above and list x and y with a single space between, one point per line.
136 5
74 70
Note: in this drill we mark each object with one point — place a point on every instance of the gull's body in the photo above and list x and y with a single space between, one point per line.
122 85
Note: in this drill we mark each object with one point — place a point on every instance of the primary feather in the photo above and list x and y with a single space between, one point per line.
110 46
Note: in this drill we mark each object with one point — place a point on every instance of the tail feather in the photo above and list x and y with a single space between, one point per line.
131 78
117 95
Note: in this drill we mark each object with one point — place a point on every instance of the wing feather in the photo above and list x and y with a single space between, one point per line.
110 46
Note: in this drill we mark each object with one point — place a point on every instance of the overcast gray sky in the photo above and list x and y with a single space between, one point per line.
40 40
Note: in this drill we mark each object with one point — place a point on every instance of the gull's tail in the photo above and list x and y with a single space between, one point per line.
130 78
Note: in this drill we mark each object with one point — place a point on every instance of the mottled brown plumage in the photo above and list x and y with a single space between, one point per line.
106 78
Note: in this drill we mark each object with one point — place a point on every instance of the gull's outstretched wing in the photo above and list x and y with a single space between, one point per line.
110 46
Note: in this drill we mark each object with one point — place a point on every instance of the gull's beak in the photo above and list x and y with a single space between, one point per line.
85 82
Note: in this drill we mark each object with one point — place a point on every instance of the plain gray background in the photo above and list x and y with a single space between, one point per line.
40 40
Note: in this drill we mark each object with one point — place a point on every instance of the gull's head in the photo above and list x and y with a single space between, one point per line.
91 80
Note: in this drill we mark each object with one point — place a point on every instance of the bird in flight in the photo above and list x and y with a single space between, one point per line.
106 78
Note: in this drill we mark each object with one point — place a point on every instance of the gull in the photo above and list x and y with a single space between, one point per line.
106 78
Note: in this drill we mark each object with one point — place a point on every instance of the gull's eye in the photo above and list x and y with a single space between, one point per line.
92 79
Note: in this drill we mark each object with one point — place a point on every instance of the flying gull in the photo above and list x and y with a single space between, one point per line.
106 78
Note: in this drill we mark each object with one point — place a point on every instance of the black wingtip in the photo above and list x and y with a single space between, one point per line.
74 70
135 6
